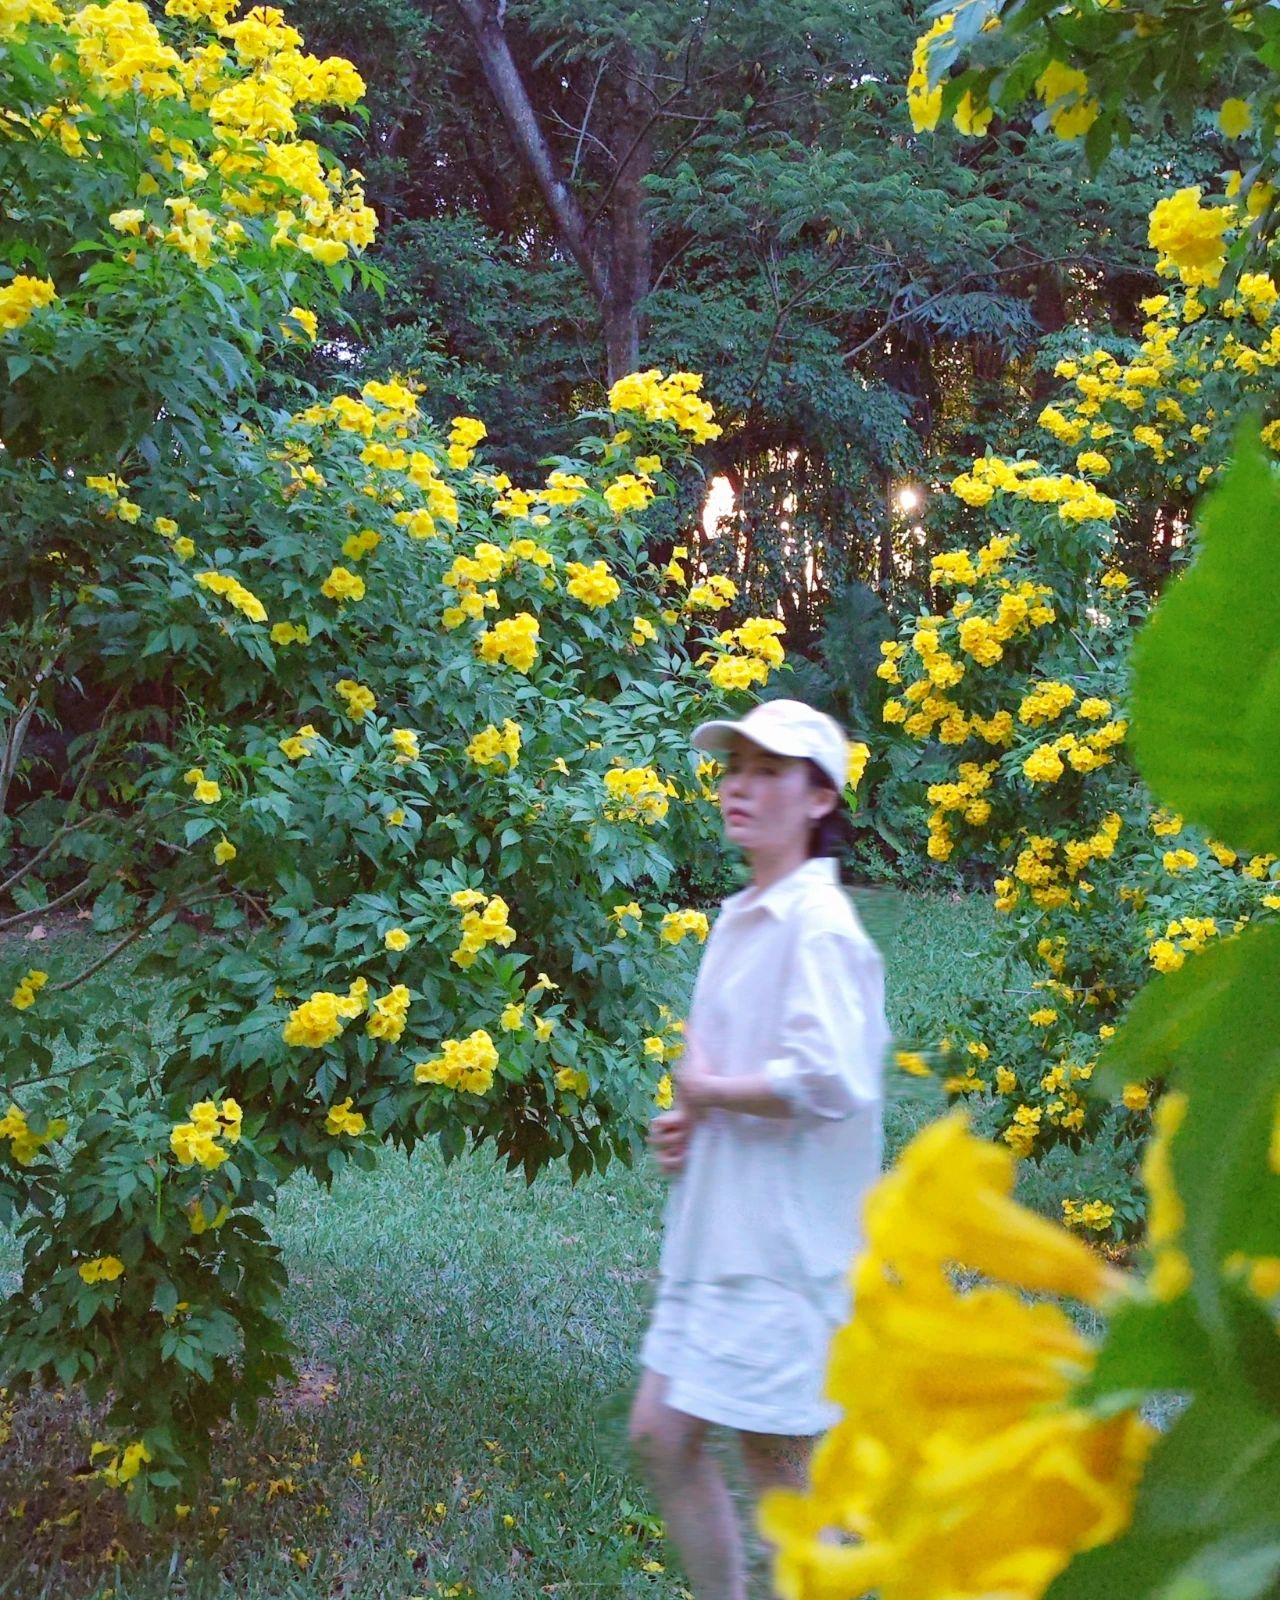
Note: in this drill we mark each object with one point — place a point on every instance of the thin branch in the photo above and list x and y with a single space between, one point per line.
40 911
1086 649
15 739
581 134
586 118
131 937
952 288
631 150
44 851
67 826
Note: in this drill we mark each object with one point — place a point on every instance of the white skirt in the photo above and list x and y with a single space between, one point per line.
747 1353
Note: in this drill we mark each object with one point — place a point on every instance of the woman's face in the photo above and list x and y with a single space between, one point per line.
769 802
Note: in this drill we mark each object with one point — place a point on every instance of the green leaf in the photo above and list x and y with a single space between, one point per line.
1206 702
1212 1029
1204 1523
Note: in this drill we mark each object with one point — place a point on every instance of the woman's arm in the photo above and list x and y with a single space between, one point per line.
698 1090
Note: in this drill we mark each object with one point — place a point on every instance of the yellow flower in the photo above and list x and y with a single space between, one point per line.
1189 236
664 1094
23 996
396 939
342 585
573 1081
224 851
676 924
358 697
207 792
341 1119
22 297
105 1269
910 1475
1235 118
544 1027
300 317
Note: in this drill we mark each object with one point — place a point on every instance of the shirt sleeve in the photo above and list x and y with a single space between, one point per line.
829 1059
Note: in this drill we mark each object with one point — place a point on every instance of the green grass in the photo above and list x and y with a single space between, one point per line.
468 1358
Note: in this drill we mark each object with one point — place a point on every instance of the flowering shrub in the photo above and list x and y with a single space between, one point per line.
1091 70
1021 684
1001 1451
385 780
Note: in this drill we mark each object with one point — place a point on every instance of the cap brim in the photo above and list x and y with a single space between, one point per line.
713 736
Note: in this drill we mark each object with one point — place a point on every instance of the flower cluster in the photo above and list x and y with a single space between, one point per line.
463 1064
319 1020
234 592
25 1144
22 297
388 1014
673 399
676 924
489 748
102 1269
513 640
196 1142
203 789
251 180
299 745
750 651
983 1480
572 1080
27 988
357 697
1094 1214
636 793
480 927
1183 937
713 594
341 1119
595 585
343 585
627 492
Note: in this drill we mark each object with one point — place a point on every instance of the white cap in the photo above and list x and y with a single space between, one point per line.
787 728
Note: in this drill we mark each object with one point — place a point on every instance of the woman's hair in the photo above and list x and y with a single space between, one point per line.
832 834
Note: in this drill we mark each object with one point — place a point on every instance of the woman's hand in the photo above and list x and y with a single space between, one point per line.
695 1084
669 1138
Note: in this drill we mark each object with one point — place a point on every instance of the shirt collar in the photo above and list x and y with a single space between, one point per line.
778 896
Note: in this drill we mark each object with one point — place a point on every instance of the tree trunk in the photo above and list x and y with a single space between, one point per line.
612 247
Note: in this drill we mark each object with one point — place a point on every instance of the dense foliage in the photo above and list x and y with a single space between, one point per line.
386 775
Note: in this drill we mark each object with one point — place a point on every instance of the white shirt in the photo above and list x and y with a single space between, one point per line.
790 986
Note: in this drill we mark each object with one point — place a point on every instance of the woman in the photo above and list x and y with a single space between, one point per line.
774 1137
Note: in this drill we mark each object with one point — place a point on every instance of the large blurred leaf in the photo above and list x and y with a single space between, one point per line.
1212 1029
1206 703
1207 1521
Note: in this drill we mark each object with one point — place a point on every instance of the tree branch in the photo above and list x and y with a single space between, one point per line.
40 911
968 277
67 825
586 118
131 937
508 88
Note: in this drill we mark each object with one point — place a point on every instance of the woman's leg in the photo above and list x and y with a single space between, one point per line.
775 1461
691 1491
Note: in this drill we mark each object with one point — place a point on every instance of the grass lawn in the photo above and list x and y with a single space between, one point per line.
460 1423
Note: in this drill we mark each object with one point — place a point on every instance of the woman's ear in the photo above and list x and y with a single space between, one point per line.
822 803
